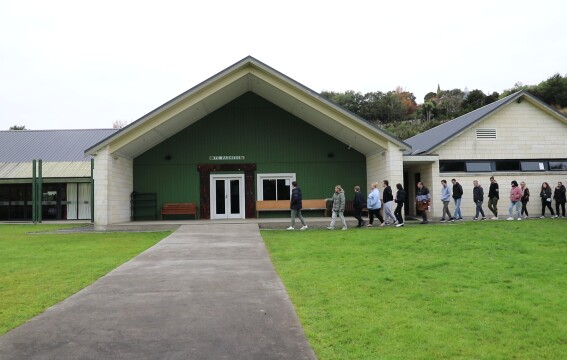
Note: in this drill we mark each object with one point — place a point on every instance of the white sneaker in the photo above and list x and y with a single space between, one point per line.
519 219
344 228
290 228
304 227
400 225
494 218
542 217
510 218
330 228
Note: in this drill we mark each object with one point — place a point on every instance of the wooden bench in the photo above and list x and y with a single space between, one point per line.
283 205
179 209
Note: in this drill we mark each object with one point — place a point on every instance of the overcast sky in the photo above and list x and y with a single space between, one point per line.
78 64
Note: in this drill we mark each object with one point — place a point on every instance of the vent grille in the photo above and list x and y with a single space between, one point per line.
486 134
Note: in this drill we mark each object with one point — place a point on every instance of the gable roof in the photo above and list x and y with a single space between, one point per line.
428 141
247 75
23 146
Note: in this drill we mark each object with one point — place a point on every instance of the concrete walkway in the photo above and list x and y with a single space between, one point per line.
208 291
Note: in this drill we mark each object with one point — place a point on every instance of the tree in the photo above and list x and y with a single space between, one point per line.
553 91
119 124
18 127
450 102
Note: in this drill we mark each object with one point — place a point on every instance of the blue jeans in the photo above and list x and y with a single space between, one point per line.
457 214
515 204
479 209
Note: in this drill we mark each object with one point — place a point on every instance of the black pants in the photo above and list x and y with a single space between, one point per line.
545 204
562 205
398 212
375 212
525 208
358 215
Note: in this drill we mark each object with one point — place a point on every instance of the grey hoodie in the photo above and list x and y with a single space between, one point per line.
339 201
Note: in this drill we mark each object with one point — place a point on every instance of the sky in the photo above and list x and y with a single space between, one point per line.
87 64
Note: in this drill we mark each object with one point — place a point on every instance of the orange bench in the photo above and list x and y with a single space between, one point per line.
179 209
283 205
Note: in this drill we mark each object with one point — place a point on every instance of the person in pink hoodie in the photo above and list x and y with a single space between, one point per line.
515 201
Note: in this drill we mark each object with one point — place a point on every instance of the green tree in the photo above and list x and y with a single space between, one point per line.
18 127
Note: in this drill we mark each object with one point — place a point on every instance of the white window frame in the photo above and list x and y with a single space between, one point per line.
271 176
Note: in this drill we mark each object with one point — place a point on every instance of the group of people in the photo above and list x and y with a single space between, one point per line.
519 197
374 203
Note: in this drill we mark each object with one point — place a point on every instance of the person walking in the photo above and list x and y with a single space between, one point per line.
388 199
338 208
422 200
515 201
445 198
545 195
457 195
478 198
296 205
493 196
358 204
400 200
560 198
373 204
525 199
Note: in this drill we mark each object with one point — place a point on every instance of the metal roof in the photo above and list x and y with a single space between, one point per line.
22 146
430 139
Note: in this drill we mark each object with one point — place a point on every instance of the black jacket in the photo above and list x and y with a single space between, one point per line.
545 194
478 194
295 202
401 196
388 196
359 200
493 190
559 194
457 191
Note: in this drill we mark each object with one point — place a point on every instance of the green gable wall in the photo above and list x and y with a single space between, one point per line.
273 139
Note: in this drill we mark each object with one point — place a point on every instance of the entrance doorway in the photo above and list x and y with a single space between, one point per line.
227 196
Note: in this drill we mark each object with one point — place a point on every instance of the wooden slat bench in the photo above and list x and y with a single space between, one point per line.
179 209
283 205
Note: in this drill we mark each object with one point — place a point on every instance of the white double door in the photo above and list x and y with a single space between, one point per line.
227 196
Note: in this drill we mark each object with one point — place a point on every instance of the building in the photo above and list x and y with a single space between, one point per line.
63 175
244 134
515 138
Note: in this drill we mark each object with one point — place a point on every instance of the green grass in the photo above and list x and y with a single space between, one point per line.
489 290
39 270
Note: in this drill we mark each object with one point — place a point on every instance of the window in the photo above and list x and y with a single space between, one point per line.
558 165
479 166
452 166
533 165
274 186
486 134
507 165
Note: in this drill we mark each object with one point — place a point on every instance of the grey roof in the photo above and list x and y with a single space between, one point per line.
18 146
430 139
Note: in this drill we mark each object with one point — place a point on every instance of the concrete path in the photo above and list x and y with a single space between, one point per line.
208 291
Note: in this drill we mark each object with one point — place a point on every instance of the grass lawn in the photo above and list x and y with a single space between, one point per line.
478 290
39 270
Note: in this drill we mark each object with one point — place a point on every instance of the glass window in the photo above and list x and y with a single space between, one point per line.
479 166
274 186
558 165
507 165
533 165
452 166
